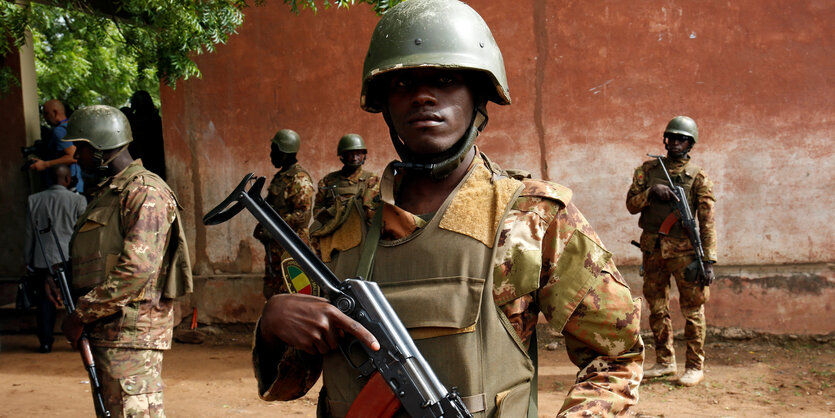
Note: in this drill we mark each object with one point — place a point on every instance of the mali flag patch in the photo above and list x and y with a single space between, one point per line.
295 279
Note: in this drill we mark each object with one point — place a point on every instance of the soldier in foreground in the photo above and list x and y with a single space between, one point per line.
341 190
668 251
291 195
467 255
129 262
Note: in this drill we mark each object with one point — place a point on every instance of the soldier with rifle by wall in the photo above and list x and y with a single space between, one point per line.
669 192
467 255
129 262
290 193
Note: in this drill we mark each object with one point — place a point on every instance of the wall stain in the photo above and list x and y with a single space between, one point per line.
795 284
541 35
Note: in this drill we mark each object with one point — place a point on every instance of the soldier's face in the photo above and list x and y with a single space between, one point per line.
430 109
353 158
84 155
276 156
677 145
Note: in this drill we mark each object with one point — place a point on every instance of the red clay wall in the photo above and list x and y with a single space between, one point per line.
593 84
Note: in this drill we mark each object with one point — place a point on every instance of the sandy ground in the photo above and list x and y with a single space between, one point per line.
750 378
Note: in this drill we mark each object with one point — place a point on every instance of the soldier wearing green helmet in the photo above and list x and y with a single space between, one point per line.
667 250
342 189
129 260
291 195
468 254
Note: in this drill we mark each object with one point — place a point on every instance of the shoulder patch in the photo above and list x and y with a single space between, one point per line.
547 190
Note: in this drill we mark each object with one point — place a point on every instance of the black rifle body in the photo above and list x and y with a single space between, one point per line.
398 360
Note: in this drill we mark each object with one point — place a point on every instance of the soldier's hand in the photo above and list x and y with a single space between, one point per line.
661 192
709 276
72 328
309 323
52 293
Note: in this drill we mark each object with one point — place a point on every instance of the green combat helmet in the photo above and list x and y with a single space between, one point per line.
103 127
350 142
287 140
683 125
434 33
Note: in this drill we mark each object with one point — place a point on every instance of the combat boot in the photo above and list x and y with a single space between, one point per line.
660 369
691 377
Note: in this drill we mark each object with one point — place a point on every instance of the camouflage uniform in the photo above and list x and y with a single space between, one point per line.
330 186
666 255
291 195
126 300
335 197
596 314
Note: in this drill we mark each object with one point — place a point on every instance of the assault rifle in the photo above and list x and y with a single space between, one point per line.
695 271
59 274
398 368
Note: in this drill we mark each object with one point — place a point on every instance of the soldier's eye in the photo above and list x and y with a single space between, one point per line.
401 83
445 81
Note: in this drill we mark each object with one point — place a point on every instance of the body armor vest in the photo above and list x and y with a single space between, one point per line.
95 247
338 201
447 304
654 215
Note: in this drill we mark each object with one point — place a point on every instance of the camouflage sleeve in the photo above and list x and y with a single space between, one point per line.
637 198
586 297
705 199
300 195
146 216
319 201
283 374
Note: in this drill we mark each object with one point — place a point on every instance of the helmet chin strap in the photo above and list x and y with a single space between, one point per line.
440 165
104 166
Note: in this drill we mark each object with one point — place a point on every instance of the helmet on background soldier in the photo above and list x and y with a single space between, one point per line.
443 34
684 126
351 150
103 127
287 141
350 142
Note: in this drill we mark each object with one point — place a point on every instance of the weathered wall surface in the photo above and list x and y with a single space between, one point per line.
593 84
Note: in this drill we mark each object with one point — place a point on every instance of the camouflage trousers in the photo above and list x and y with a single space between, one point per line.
131 381
692 299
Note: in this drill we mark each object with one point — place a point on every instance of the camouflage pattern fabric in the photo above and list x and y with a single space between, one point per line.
131 381
692 299
666 256
127 309
602 328
325 197
702 193
291 195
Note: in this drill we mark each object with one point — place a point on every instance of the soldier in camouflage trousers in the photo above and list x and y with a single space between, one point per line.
340 190
291 195
469 255
668 254
129 262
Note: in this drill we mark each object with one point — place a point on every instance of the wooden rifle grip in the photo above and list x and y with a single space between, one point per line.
374 400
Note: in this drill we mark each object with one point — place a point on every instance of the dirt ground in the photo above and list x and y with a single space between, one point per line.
749 378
